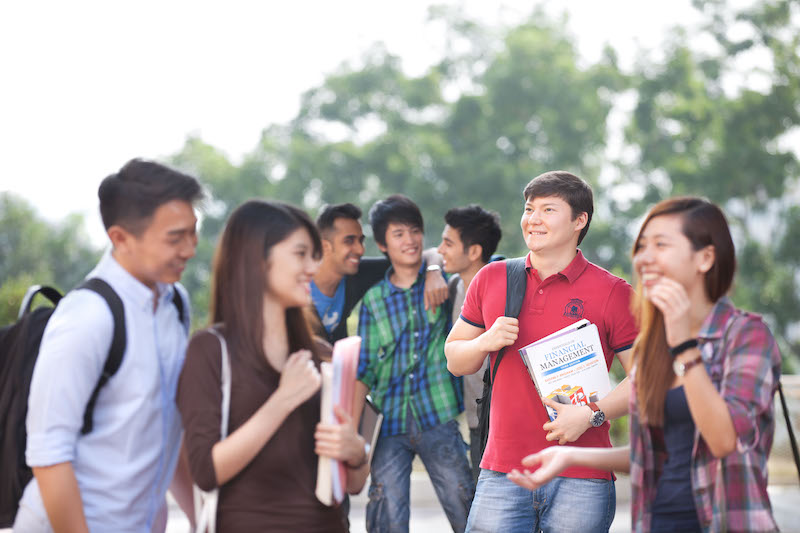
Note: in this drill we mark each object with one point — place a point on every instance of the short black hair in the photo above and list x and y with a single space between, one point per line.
476 225
129 198
329 213
395 208
570 188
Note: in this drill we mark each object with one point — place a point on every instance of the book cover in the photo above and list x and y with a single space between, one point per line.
324 490
370 425
345 364
568 366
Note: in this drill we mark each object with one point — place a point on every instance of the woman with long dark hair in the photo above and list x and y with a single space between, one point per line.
266 466
701 412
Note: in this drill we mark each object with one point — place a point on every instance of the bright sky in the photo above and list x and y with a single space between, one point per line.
88 85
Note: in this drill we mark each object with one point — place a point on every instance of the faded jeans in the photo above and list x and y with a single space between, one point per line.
444 454
564 505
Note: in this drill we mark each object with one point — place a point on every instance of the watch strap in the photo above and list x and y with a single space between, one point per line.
682 347
593 406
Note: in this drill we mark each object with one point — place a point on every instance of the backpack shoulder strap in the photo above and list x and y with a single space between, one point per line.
118 342
177 300
516 283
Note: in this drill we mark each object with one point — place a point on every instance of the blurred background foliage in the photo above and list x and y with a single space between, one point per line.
503 105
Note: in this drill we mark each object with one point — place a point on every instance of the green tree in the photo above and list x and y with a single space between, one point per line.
703 126
35 251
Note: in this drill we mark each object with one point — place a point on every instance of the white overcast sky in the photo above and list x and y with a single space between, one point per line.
85 86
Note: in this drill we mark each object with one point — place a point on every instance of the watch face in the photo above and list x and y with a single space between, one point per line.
598 418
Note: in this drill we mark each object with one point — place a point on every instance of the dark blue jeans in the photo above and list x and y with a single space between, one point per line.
564 505
444 454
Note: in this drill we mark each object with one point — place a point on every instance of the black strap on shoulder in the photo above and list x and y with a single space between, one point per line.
117 350
516 283
177 299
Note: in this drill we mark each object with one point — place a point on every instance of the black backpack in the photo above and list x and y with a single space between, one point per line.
19 349
516 282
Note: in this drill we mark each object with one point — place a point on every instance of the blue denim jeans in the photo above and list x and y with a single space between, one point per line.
444 454
565 505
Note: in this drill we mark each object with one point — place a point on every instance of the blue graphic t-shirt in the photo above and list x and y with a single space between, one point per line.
329 308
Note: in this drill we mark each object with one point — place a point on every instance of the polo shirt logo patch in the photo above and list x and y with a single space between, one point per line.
574 309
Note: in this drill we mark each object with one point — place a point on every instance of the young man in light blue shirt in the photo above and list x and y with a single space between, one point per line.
115 477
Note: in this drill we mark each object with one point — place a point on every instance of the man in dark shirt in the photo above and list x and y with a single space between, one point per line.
344 275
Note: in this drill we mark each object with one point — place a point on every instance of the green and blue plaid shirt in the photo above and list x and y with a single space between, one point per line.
402 357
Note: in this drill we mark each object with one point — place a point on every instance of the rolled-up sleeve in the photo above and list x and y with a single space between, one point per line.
750 378
73 351
199 399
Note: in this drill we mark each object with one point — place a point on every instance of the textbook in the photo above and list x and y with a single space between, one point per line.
568 366
338 388
370 425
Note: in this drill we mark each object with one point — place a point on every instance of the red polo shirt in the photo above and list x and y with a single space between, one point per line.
581 290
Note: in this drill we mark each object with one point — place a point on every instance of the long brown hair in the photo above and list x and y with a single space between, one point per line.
704 224
240 277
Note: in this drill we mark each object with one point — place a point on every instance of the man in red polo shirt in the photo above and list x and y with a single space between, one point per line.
562 288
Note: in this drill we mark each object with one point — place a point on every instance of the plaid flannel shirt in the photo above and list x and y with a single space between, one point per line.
746 371
402 357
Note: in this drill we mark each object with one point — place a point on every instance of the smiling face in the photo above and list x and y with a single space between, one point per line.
455 258
344 246
663 251
547 225
159 254
290 267
403 244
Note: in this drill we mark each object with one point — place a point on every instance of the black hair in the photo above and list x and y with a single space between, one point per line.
395 208
129 198
476 225
329 213
570 188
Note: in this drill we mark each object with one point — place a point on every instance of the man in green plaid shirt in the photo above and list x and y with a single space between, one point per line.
402 363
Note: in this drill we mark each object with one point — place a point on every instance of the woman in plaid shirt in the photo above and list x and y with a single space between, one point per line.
700 433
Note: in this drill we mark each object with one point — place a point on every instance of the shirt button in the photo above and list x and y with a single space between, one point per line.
541 291
416 356
411 376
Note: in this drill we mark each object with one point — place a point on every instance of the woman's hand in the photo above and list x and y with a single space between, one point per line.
671 299
340 441
299 379
551 462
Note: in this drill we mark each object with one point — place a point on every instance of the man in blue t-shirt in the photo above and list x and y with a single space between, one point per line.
344 275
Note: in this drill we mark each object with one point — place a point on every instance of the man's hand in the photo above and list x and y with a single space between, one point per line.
436 291
503 333
572 421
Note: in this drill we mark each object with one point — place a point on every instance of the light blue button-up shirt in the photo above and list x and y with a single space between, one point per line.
125 465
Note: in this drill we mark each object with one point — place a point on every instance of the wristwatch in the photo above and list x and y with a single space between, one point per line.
597 417
433 268
681 368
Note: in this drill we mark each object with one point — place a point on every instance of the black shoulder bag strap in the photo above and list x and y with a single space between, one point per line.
516 282
118 341
789 429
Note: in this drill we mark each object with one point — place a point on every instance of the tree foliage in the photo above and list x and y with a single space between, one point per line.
34 251
715 113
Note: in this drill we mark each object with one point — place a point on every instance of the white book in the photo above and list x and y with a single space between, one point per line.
324 489
568 366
